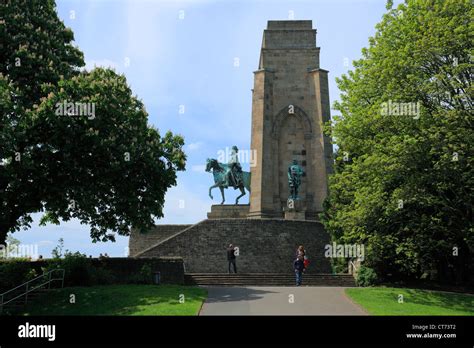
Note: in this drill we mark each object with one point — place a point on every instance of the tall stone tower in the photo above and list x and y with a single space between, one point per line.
289 106
290 103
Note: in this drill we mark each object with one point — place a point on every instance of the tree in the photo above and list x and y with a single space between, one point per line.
74 144
404 177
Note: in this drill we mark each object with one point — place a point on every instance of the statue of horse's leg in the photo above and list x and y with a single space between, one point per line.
210 189
242 190
222 193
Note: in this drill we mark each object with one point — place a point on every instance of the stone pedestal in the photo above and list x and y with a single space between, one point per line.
226 211
295 210
295 215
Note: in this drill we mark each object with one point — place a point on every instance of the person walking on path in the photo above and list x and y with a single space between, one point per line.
299 267
231 257
302 252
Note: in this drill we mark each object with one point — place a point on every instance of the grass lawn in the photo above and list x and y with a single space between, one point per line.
120 300
384 301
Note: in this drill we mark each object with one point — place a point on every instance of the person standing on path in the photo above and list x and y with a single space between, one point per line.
299 267
300 251
231 257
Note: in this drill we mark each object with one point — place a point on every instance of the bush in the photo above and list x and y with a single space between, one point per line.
77 269
366 276
145 276
338 265
101 276
14 272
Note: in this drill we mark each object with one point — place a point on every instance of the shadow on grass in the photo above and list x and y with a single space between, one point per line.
452 301
119 300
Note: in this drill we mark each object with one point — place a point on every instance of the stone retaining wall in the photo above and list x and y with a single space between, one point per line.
265 245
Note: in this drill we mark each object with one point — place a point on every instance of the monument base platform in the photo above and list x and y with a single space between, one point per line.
265 245
295 210
295 215
228 211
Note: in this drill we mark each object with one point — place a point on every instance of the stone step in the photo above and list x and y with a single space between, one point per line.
266 279
266 274
276 283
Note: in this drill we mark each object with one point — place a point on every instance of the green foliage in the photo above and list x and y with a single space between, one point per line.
146 273
11 241
405 187
77 268
14 272
101 276
339 265
57 251
366 277
144 276
109 170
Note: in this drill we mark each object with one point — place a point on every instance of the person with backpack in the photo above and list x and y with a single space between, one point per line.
302 252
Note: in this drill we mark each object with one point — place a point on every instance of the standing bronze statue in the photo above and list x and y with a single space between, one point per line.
294 179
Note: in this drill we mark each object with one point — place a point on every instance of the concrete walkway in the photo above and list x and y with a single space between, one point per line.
259 300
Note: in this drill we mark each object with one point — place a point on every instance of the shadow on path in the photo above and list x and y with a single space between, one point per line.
235 294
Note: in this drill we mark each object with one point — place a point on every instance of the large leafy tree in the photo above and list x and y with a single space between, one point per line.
403 183
106 167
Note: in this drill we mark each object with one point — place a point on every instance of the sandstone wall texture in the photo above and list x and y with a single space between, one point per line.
290 103
265 245
141 241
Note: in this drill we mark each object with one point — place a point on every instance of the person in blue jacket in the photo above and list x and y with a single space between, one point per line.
299 267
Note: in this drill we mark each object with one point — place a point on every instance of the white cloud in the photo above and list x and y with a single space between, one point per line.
195 146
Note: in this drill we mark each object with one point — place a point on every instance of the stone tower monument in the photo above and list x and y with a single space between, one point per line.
290 103
289 106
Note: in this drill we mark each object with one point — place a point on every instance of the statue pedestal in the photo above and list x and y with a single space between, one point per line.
295 215
295 210
228 211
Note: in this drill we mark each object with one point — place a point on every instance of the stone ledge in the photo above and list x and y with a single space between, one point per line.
226 211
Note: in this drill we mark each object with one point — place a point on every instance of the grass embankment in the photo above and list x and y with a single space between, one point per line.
385 301
120 300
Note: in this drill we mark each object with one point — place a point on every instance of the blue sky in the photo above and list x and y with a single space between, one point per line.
197 57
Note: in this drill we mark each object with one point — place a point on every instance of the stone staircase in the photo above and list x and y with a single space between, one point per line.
15 299
267 279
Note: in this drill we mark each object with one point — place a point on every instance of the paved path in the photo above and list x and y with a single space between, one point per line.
260 300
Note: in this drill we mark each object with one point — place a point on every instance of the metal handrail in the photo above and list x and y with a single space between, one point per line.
28 289
353 265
